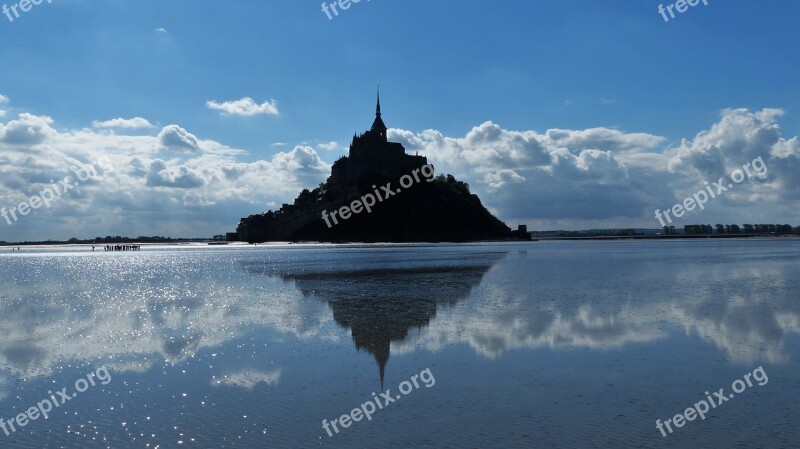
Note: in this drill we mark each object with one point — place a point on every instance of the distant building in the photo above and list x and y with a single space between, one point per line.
522 232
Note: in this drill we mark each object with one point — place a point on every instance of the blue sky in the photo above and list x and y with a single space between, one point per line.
449 66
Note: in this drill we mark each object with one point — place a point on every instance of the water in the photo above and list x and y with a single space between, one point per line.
543 344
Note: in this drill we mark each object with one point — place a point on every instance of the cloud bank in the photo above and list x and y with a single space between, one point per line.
172 181
608 178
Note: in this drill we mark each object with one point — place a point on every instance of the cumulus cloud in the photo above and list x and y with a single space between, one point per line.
303 162
131 123
244 107
602 139
160 175
740 136
171 183
607 177
526 175
175 138
28 129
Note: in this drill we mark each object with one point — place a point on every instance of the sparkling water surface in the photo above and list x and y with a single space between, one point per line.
541 344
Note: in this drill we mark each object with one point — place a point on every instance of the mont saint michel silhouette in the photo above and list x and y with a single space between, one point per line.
441 210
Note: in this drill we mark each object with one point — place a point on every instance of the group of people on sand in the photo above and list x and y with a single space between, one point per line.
122 247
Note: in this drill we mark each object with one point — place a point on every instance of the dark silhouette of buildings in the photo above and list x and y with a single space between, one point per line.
442 210
372 159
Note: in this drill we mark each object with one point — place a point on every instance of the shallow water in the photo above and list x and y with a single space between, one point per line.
543 344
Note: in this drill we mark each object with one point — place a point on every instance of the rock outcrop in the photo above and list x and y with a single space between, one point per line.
410 203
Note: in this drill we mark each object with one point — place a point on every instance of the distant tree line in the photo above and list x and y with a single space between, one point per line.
776 229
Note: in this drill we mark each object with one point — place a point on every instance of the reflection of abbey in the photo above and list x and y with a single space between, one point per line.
372 157
364 299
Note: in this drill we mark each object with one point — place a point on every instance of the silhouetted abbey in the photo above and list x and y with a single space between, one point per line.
443 210
372 157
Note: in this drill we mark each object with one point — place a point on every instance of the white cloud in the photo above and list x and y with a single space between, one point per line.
183 185
175 138
244 107
161 30
3 99
304 164
173 183
526 175
28 129
602 177
330 146
161 175
131 123
739 137
602 139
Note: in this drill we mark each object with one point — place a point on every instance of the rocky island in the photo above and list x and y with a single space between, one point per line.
378 193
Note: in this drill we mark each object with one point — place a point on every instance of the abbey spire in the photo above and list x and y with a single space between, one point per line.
378 126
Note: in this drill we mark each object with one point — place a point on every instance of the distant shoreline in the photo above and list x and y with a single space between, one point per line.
667 237
210 243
